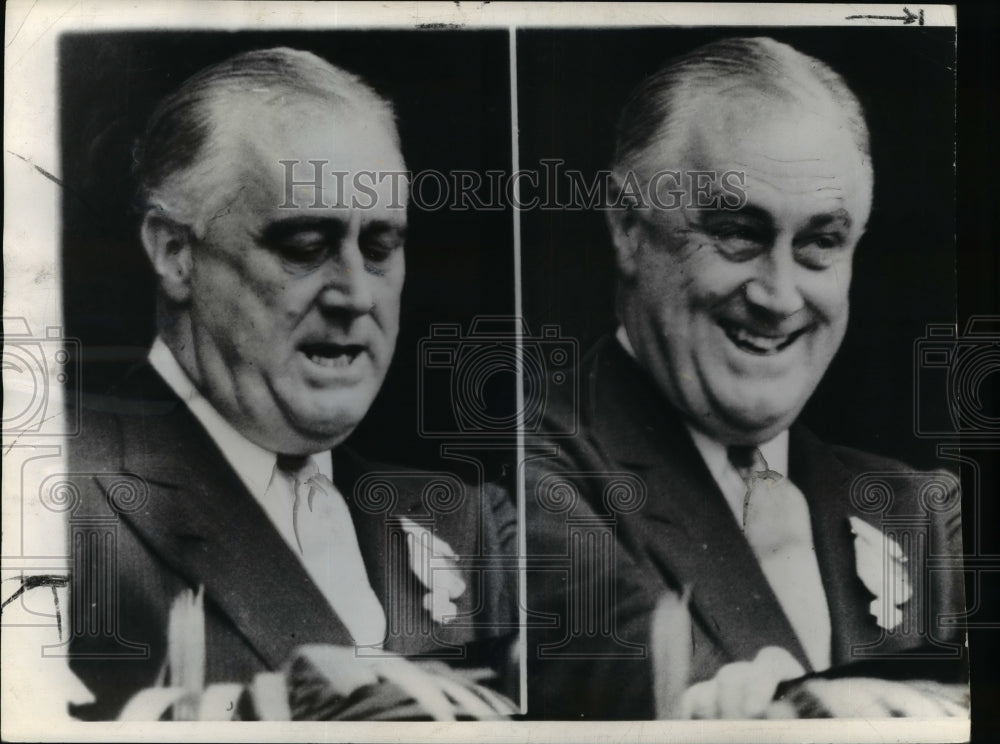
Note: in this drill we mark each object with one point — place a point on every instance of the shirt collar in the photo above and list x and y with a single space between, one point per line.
252 463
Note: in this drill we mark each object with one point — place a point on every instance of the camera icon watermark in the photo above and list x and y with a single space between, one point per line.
961 366
32 368
468 383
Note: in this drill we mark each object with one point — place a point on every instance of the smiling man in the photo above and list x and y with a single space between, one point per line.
729 315
278 307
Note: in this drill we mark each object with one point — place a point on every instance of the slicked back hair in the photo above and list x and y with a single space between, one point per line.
658 110
173 160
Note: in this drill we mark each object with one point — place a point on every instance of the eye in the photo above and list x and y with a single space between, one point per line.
739 242
378 245
820 250
302 250
379 250
826 241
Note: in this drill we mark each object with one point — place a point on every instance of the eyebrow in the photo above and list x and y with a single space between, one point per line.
383 226
840 218
280 230
837 219
747 211
333 229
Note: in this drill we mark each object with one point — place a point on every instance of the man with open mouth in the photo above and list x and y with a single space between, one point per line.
730 313
279 285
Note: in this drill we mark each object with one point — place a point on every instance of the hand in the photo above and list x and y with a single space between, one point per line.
867 697
743 689
323 682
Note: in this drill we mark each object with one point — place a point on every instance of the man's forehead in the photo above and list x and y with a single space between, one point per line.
312 155
779 153
798 137
276 126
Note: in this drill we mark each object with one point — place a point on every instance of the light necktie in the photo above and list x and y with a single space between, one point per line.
328 546
776 524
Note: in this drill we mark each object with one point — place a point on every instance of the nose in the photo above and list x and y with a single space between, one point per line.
774 287
347 283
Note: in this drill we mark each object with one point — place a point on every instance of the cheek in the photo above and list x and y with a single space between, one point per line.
697 279
829 295
388 295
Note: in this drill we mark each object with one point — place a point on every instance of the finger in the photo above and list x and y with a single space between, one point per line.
953 709
780 709
474 705
150 704
733 685
902 700
778 663
420 686
837 700
874 698
954 698
758 695
499 703
772 666
699 701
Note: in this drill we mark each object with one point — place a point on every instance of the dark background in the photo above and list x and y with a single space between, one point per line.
979 294
573 83
451 92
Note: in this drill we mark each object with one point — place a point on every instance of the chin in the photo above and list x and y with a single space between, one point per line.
337 424
327 425
763 424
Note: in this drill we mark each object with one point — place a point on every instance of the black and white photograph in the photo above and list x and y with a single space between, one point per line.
744 275
246 267
438 371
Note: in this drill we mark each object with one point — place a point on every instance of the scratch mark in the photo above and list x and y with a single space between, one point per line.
54 581
7 45
33 582
39 169
32 431
31 46
55 601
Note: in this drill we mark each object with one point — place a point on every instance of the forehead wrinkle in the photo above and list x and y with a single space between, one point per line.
789 188
817 169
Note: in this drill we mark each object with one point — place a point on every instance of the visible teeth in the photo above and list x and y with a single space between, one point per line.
334 362
755 343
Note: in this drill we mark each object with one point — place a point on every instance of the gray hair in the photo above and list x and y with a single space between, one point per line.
173 160
657 109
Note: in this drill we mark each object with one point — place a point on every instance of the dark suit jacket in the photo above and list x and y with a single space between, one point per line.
636 471
159 511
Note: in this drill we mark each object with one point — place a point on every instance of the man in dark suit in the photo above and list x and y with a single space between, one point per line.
700 553
219 464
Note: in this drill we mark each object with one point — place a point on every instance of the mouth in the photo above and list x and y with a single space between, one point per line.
759 344
331 356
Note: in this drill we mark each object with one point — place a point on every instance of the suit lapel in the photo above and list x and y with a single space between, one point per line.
686 529
826 484
200 519
412 631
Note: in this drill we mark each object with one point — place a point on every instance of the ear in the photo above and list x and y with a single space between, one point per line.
624 227
168 245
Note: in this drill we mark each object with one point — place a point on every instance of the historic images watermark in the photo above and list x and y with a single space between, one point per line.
314 184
